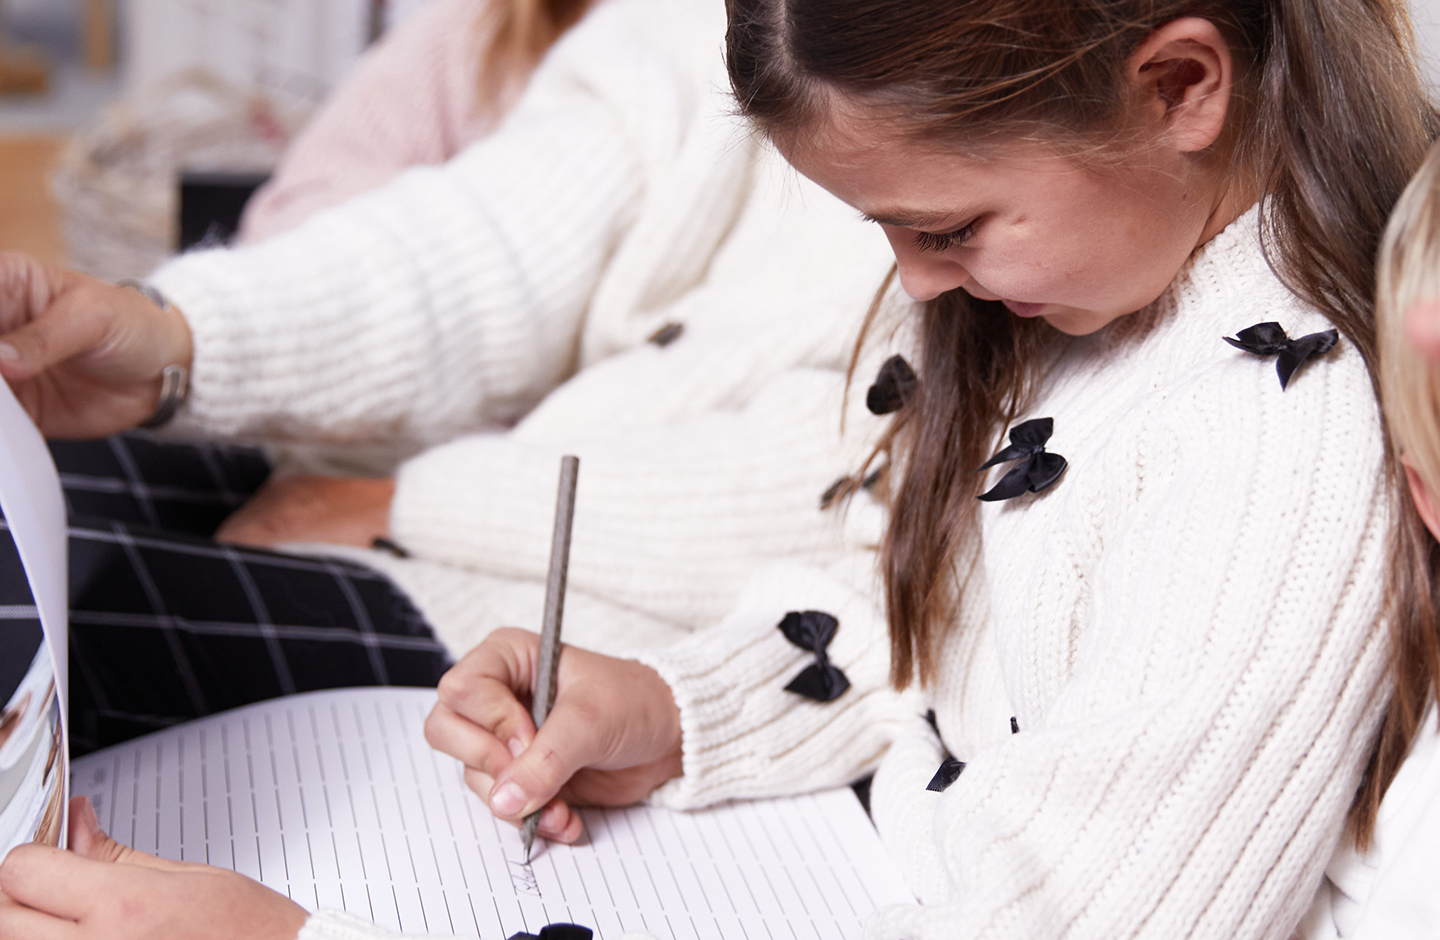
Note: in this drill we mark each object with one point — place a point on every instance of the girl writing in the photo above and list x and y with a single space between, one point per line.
1163 661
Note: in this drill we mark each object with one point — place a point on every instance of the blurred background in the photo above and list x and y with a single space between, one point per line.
130 128
104 103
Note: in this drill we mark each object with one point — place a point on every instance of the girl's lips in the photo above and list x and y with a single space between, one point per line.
1023 309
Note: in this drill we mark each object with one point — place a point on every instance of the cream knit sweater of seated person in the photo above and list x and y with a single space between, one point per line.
1185 627
520 281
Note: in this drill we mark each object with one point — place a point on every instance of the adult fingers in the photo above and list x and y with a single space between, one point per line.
60 333
27 286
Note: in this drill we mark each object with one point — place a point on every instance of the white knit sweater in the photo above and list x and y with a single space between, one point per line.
1185 628
523 278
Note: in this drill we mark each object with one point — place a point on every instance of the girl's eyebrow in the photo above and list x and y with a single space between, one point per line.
901 218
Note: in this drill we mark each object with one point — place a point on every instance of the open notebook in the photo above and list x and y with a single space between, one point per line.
335 799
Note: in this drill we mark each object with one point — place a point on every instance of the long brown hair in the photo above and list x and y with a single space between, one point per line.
1328 121
521 32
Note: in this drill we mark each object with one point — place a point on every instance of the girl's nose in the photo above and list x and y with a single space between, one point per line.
924 275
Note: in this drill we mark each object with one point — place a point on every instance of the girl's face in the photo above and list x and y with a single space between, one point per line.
1078 247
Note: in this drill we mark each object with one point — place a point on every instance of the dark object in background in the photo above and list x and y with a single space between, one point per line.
211 203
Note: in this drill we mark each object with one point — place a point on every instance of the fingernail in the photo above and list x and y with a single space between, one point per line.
9 353
88 819
516 746
509 800
550 819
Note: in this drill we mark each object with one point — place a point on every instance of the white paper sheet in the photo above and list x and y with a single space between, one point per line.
335 799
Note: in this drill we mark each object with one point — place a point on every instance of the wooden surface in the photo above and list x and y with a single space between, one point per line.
23 70
99 37
29 216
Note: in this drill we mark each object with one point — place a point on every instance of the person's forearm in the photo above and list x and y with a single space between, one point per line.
672 520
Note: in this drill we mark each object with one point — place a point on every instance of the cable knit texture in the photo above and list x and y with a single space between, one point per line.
1185 627
519 282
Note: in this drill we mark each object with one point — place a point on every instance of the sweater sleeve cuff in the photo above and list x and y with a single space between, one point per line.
744 735
337 925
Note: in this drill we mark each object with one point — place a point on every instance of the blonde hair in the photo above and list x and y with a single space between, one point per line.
1409 272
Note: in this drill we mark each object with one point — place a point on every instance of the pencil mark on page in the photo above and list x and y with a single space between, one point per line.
522 877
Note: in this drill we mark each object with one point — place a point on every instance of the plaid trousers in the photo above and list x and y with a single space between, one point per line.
167 625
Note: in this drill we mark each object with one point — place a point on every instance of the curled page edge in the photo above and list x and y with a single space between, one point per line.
34 507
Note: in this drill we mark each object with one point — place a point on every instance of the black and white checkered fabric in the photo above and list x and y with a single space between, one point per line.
167 625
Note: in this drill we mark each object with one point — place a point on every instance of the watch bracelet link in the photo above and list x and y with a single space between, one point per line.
174 379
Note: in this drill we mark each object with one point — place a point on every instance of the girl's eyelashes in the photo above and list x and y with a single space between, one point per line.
943 241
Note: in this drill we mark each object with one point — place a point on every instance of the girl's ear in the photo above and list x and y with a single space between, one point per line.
1182 75
1420 494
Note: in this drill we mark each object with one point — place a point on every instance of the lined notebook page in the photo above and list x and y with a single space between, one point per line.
335 799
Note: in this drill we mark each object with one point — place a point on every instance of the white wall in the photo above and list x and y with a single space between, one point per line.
397 10
1426 14
300 47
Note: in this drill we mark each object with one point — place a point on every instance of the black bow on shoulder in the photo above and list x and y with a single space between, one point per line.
1269 339
949 772
813 630
557 932
1036 470
892 386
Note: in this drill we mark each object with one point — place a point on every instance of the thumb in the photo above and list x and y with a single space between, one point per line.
565 743
89 841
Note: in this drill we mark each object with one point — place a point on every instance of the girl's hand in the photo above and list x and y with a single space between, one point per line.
102 889
611 738
312 509
83 357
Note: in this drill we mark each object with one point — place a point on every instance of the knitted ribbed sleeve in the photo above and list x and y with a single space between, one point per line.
452 298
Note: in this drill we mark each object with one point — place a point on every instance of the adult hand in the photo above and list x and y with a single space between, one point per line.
1422 325
335 510
612 736
84 357
101 889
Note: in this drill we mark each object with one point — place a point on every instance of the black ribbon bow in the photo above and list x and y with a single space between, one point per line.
557 932
813 630
1036 470
1269 339
949 772
892 386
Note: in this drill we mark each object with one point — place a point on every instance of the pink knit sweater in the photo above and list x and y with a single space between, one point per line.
413 99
